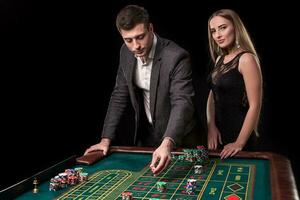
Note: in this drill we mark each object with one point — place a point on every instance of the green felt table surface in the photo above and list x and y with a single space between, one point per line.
129 171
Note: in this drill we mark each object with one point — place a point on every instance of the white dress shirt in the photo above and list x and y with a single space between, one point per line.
143 75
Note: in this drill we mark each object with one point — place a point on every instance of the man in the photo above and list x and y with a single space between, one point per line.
155 74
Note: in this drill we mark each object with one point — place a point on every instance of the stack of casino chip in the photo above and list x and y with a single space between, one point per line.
199 155
126 195
66 178
83 176
78 169
54 184
189 155
181 158
204 158
161 186
198 169
190 186
173 156
72 180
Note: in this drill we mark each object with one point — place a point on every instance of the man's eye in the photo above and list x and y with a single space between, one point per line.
140 37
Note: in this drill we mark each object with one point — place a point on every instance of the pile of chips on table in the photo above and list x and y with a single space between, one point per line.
126 195
199 155
200 158
69 177
190 186
161 186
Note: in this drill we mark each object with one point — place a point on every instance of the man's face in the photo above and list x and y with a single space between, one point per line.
139 39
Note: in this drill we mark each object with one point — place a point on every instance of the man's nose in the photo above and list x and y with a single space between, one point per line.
136 44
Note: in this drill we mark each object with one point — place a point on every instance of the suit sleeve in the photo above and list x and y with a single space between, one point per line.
181 97
117 104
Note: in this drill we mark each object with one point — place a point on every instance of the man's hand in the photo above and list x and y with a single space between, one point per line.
103 145
162 155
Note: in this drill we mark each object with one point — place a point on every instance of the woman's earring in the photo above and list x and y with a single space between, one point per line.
237 44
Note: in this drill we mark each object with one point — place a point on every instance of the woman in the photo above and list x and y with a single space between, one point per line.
235 98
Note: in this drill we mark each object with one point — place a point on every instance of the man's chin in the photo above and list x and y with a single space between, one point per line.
140 55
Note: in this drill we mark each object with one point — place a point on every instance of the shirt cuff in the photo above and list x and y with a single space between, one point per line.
171 139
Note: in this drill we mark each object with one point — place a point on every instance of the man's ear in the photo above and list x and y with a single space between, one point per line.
151 27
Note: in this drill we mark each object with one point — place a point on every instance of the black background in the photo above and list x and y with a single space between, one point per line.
59 61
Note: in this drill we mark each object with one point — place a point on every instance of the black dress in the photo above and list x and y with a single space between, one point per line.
230 99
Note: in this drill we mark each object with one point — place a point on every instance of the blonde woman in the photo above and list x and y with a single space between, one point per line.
235 98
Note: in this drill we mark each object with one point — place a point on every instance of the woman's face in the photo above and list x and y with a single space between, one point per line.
222 32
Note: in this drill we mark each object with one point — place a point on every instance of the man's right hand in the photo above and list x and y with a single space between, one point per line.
162 156
103 146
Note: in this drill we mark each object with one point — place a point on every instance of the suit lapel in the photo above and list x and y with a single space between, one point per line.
130 73
131 70
155 76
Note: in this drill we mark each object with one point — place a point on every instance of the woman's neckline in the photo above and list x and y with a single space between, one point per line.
234 57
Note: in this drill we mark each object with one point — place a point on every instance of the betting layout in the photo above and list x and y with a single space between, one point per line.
190 175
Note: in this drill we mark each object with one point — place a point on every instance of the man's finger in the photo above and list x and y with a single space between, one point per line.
87 151
154 160
161 164
105 151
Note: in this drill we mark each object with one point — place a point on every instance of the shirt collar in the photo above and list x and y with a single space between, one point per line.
152 51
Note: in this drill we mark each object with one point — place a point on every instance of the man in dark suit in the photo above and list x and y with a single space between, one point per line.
154 75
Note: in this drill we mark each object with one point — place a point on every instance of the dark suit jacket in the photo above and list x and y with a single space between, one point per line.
171 93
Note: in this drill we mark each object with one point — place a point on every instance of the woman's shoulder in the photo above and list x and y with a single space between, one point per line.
247 57
248 60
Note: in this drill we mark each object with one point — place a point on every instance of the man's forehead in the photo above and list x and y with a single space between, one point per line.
134 32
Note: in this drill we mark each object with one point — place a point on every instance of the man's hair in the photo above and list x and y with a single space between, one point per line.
130 16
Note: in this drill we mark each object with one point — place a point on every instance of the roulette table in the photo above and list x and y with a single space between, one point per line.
249 175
